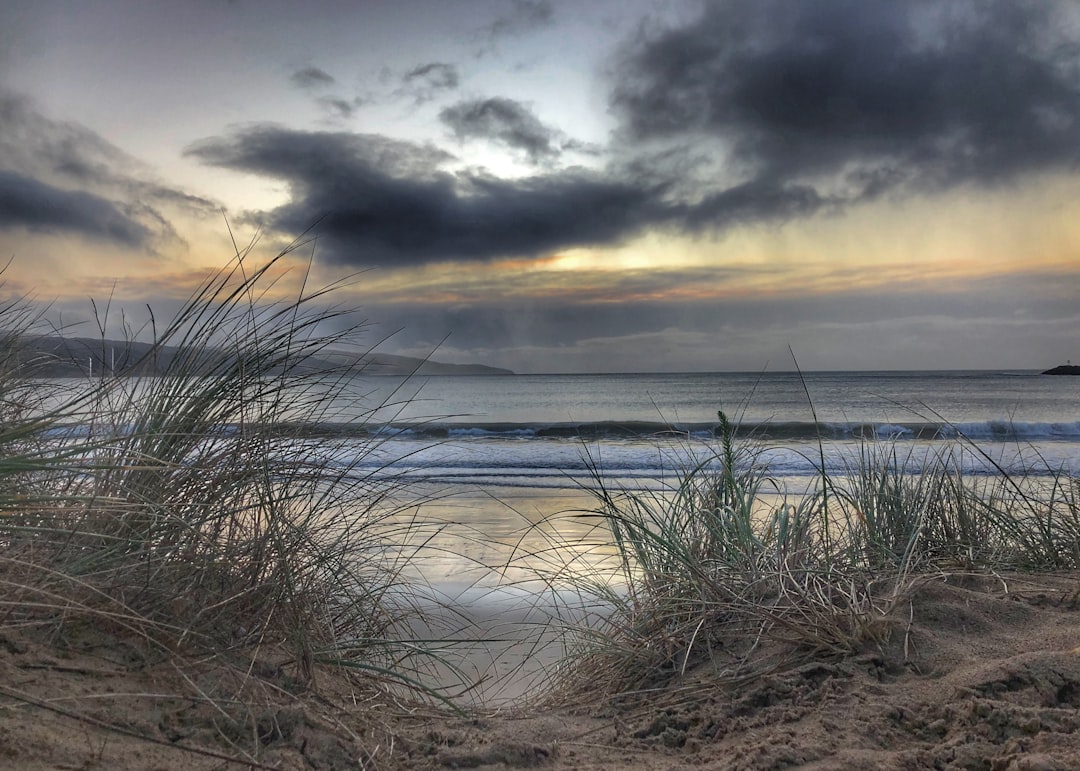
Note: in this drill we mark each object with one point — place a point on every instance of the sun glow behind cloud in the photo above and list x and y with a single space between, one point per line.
933 245
925 247
567 182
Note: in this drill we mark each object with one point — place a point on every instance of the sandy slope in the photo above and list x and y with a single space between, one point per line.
986 675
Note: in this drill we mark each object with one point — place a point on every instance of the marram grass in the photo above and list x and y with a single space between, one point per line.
723 568
173 507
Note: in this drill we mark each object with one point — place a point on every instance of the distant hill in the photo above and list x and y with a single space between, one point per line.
1064 369
56 356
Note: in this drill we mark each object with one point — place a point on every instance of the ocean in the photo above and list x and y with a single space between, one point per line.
552 431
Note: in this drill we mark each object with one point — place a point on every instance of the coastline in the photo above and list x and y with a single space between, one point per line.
207 583
964 667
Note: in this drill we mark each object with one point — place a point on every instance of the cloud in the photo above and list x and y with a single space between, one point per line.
753 113
338 108
424 82
69 173
381 201
851 99
38 207
525 16
901 327
754 201
33 144
311 78
505 121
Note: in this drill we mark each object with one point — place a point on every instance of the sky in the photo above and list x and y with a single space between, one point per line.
566 186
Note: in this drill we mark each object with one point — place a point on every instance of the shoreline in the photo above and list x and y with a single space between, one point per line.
268 599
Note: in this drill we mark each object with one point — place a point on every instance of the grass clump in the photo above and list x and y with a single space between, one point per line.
181 508
728 570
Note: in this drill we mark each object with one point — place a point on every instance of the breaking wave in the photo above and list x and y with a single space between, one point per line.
991 430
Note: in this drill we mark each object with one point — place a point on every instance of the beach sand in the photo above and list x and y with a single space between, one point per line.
978 672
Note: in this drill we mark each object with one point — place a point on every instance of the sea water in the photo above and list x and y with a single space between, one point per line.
553 431
498 453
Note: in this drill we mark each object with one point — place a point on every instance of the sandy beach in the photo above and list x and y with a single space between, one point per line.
973 671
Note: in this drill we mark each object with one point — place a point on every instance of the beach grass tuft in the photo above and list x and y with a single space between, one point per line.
726 570
185 508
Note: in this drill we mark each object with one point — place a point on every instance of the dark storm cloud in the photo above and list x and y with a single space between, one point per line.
752 202
312 78
502 120
424 82
36 206
380 201
69 172
862 96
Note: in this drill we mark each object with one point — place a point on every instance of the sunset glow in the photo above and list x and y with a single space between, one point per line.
555 186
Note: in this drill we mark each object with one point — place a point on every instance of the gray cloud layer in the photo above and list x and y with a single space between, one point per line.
61 177
1029 317
865 95
755 112
33 205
